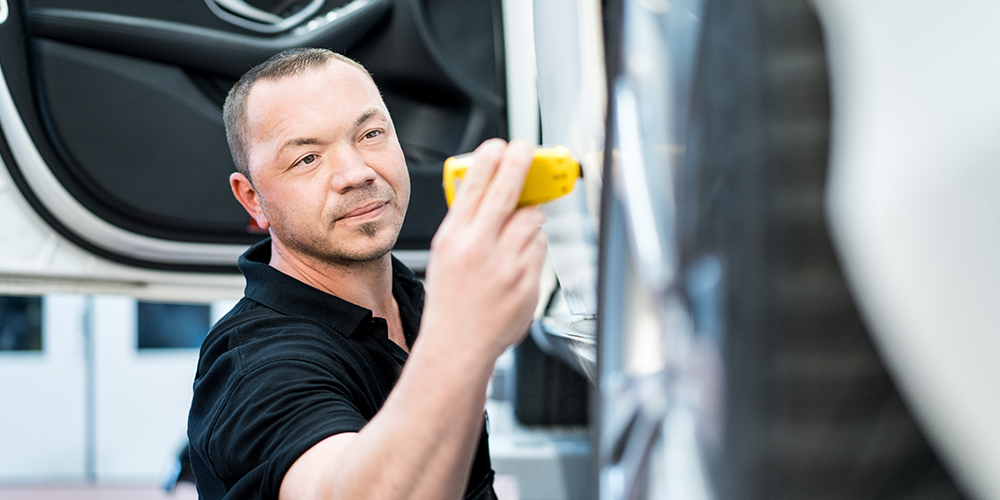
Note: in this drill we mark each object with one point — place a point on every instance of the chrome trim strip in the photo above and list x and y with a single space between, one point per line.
331 16
65 208
247 11
572 338
246 16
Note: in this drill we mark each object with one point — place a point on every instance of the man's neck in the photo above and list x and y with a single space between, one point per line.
366 284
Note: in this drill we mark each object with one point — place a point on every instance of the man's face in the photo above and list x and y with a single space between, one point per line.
326 164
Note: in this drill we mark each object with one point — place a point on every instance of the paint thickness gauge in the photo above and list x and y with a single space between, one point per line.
553 173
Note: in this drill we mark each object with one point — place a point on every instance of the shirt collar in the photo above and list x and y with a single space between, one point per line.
287 295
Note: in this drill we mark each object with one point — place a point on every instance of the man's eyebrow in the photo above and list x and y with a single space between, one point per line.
300 141
309 141
367 115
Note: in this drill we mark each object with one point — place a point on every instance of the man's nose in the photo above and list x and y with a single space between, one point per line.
352 172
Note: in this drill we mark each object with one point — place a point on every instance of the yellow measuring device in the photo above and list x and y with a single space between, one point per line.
553 173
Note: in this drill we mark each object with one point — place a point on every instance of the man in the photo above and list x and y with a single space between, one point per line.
292 396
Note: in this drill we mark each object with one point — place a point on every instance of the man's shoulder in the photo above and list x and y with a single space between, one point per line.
252 334
253 358
245 311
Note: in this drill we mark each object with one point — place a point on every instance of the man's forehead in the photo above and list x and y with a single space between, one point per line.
332 77
308 106
351 89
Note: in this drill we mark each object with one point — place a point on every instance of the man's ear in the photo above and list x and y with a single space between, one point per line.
245 193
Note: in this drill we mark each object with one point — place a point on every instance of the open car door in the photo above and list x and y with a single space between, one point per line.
115 157
114 192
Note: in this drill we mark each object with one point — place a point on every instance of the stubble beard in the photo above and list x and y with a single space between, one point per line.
370 230
321 251
317 247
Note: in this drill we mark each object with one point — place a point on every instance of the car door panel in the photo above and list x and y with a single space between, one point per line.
94 99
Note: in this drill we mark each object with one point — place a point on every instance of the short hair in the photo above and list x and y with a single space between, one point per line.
284 64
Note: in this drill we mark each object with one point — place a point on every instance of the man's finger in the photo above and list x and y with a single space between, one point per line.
486 158
521 228
500 198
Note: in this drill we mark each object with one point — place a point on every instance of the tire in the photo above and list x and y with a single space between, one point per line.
810 411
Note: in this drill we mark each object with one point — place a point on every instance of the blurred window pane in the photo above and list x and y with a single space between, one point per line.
20 323
171 325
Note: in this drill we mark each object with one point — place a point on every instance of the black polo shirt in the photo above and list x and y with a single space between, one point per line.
287 367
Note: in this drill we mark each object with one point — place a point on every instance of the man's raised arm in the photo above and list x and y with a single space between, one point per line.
482 287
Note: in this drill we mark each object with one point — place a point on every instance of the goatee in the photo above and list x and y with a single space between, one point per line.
369 228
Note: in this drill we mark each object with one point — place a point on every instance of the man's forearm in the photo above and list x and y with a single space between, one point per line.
421 443
449 397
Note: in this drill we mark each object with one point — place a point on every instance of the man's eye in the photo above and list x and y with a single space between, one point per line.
307 159
373 134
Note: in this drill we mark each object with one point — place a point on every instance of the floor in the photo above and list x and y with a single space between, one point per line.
505 486
93 492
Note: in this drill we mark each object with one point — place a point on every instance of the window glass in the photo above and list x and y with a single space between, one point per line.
20 323
171 325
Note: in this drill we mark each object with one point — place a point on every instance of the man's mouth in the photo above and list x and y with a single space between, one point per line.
364 213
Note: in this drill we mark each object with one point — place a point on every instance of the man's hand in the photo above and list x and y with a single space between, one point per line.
486 258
